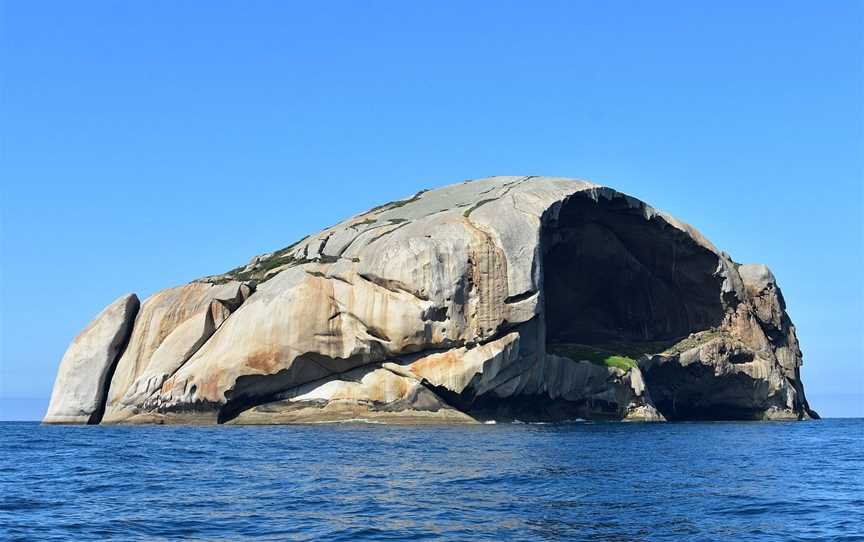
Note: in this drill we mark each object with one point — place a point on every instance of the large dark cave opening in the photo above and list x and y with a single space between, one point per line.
615 280
693 392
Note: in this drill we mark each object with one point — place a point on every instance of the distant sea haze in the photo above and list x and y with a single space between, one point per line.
772 481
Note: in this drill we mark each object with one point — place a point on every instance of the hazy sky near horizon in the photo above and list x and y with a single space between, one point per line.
145 144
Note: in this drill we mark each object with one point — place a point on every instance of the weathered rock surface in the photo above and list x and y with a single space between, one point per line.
171 326
365 394
530 298
85 371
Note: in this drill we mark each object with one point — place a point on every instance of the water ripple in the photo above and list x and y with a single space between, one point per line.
693 481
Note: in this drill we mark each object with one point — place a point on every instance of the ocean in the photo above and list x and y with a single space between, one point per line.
580 481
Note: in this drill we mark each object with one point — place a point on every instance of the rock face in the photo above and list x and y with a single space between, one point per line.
529 298
86 369
172 325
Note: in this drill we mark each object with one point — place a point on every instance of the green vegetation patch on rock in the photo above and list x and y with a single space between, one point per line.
582 352
691 341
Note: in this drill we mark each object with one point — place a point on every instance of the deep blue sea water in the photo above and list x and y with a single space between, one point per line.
681 481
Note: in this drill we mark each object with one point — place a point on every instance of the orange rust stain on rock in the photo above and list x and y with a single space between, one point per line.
167 386
444 360
210 388
265 361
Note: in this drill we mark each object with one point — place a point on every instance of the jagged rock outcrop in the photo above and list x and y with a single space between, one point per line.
748 367
530 298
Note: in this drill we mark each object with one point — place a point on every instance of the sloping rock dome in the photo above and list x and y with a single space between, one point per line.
531 298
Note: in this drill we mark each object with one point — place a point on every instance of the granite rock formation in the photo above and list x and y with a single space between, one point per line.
506 298
88 364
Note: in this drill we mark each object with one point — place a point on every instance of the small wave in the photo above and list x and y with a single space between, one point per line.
349 420
15 504
520 422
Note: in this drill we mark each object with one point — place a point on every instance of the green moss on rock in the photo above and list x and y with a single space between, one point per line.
581 352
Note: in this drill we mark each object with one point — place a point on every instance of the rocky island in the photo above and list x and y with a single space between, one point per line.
505 298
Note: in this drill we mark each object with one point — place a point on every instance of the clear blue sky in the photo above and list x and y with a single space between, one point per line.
145 144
